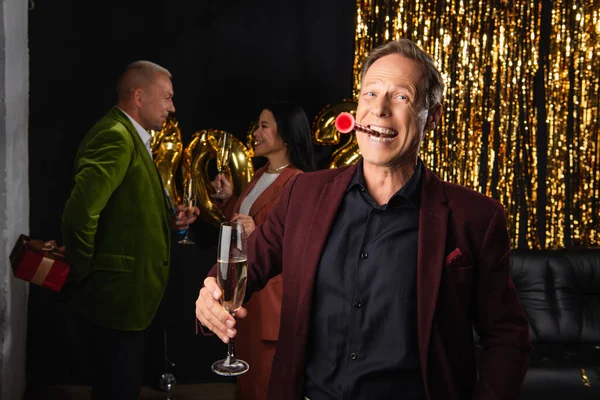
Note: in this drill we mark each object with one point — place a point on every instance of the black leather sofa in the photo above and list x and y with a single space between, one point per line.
560 293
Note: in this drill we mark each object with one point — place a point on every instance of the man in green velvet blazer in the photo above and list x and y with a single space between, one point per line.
116 229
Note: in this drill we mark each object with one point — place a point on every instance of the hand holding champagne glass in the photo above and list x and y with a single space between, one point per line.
223 157
232 271
189 199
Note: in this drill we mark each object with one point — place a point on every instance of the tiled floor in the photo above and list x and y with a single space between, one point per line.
207 391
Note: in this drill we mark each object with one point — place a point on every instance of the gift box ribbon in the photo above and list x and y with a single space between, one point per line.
48 247
42 272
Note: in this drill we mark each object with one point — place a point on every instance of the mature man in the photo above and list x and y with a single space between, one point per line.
116 230
386 268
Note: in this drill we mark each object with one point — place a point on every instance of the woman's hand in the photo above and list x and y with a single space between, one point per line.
245 220
223 187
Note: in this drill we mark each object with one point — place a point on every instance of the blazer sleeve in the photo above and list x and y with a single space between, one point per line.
100 168
499 320
265 245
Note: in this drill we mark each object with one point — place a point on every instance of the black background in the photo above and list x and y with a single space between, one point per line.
228 59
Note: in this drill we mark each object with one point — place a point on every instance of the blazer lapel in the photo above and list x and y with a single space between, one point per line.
275 187
148 162
433 221
326 209
249 187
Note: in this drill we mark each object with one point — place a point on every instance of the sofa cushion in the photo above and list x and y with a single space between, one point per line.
560 294
557 383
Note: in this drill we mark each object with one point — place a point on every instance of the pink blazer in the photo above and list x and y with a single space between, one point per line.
265 306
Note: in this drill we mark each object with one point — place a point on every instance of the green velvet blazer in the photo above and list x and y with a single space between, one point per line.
116 228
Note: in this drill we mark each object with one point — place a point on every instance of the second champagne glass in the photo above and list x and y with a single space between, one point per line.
232 272
189 199
223 157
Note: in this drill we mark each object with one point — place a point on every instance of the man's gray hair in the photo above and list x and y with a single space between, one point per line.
432 85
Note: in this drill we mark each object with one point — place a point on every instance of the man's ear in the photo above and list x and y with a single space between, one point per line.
433 119
138 96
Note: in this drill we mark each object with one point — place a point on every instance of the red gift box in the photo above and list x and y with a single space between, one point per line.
40 263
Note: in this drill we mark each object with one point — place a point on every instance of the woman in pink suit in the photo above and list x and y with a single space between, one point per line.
283 136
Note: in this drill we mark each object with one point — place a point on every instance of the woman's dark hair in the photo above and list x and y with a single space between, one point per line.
294 129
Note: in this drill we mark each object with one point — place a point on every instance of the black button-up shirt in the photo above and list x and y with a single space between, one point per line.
363 334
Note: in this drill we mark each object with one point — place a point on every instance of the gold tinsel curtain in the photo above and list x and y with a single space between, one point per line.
522 77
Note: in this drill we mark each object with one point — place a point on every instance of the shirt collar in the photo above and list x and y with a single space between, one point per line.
411 190
143 134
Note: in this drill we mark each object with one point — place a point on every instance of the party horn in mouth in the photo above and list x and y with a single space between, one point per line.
345 123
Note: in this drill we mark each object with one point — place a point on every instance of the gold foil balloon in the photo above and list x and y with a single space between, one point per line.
324 132
240 165
195 166
347 154
196 160
156 136
250 138
166 146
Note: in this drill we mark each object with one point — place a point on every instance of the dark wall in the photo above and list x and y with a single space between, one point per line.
228 59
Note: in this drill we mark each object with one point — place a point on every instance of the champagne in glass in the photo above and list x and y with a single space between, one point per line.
224 152
190 204
231 277
223 157
232 272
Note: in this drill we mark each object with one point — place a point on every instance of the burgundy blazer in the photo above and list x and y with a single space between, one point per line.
463 282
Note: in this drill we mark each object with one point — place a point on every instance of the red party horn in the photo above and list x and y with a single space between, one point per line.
345 123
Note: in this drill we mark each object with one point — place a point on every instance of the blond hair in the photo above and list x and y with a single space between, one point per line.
138 74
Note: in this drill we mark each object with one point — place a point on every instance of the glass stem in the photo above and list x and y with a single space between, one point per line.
231 352
230 360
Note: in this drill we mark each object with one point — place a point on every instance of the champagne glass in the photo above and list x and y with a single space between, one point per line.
223 157
232 271
190 204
